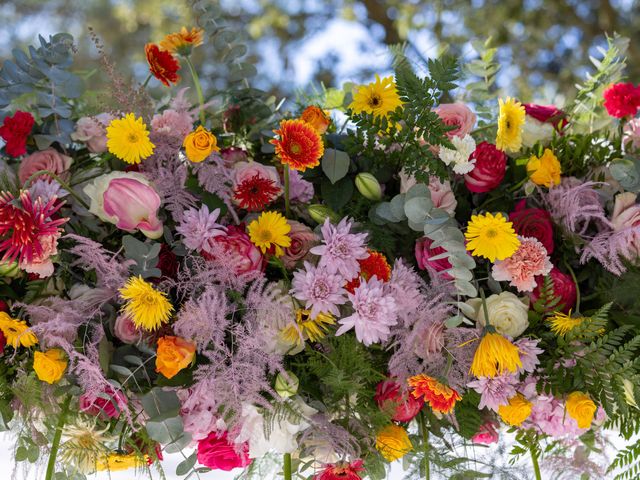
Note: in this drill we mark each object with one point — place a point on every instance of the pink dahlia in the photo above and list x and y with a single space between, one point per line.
521 268
341 249
199 226
495 391
321 291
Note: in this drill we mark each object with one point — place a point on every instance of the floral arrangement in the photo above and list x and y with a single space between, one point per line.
379 273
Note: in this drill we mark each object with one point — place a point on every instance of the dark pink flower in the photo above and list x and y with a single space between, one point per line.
533 222
218 453
546 114
109 404
487 433
238 251
622 100
563 287
390 399
424 254
491 165
15 131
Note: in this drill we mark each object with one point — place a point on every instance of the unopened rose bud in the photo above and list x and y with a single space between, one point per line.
321 212
368 186
287 387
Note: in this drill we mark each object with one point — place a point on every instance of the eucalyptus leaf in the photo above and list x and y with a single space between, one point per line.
186 465
335 164
417 209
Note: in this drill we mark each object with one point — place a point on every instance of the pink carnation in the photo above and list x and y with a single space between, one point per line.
456 115
41 263
521 268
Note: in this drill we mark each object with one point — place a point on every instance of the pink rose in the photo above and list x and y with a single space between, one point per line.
391 400
49 159
109 404
176 124
125 330
302 239
441 195
424 253
487 433
218 453
233 155
491 165
563 287
93 132
458 115
632 134
626 216
238 250
42 264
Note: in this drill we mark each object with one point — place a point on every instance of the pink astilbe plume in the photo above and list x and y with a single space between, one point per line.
610 248
576 206
215 177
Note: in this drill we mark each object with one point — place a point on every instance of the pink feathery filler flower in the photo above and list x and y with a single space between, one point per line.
341 249
374 312
321 291
199 226
521 268
494 391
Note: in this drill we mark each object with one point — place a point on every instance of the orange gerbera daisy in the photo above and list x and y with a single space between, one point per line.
375 264
162 64
182 42
439 396
299 145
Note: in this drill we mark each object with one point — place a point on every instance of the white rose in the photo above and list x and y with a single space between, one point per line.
535 131
507 313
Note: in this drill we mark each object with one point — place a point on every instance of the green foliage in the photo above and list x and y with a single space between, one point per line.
145 255
467 413
547 302
580 154
483 92
629 460
622 292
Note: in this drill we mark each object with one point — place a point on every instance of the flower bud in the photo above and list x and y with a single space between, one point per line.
287 387
368 186
320 212
9 269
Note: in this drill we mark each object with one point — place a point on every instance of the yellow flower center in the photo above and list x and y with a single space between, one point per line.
133 138
492 233
265 236
296 148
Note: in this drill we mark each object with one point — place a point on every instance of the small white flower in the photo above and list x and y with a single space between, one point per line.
459 157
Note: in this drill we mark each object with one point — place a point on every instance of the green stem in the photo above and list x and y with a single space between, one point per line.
425 441
287 466
146 81
196 82
534 460
62 183
51 466
287 205
575 281
484 307
485 127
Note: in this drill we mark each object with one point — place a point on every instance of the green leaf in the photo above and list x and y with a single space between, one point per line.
185 466
335 164
337 195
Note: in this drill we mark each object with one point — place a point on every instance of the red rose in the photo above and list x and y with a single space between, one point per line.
491 165
533 222
15 131
162 64
622 100
563 287
546 114
217 453
390 399
424 253
109 405
167 261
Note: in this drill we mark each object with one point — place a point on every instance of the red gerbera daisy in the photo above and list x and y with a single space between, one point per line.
299 145
374 265
255 193
162 64
341 471
439 396
23 223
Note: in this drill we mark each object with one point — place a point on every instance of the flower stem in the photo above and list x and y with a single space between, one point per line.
534 460
51 466
287 203
287 466
575 281
425 441
146 81
62 183
196 82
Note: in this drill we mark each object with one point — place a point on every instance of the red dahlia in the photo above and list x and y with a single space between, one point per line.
15 131
256 192
162 64
374 265
341 471
23 223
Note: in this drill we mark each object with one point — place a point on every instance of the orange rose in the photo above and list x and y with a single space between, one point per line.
317 118
200 144
174 354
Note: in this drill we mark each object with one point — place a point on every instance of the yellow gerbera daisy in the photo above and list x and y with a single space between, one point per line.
491 237
147 307
16 332
378 98
312 329
270 231
128 139
182 42
516 411
510 123
494 356
118 461
562 323
545 170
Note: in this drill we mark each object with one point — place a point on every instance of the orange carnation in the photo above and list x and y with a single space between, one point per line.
299 145
317 118
173 355
162 64
374 265
439 396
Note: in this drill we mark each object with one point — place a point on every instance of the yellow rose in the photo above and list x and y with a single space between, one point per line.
393 442
317 118
545 170
198 145
50 365
174 354
581 408
516 411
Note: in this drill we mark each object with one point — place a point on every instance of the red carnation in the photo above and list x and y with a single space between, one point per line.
489 171
162 64
546 114
622 100
15 131
341 471
563 287
390 399
533 222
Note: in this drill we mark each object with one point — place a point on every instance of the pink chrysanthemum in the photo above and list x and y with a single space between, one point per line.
199 226
495 391
529 351
521 268
374 312
321 291
341 249
24 224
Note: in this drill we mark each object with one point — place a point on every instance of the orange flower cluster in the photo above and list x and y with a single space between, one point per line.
162 63
440 397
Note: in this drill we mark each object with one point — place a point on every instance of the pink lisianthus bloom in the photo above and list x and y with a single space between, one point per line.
125 330
487 433
109 404
218 453
93 132
424 253
391 400
456 115
302 240
236 248
521 268
127 200
49 159
42 264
